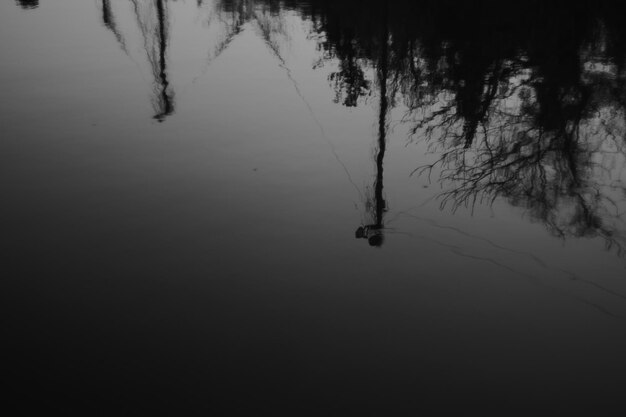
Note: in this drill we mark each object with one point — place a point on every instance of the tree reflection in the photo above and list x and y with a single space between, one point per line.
520 102
374 232
525 104
108 19
152 19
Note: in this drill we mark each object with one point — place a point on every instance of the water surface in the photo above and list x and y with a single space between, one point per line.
280 208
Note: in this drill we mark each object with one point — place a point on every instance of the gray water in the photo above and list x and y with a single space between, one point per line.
226 208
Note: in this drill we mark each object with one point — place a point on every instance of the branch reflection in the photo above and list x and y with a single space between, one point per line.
520 103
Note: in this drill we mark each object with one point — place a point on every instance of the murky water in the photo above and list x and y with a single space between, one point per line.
313 208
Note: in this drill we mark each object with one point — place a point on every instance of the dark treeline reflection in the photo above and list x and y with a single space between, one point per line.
518 100
523 101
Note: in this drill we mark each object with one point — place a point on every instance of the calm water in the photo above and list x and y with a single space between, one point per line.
313 208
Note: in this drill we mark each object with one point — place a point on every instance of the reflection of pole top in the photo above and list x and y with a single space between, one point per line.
373 233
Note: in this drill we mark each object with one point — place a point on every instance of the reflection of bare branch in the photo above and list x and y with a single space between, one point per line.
109 22
233 26
550 173
153 23
505 118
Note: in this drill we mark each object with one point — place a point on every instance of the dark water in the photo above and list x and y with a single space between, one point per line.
313 208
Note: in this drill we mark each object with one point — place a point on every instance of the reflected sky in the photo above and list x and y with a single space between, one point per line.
184 181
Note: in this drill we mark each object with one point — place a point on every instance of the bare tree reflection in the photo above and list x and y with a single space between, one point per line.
373 232
514 105
525 104
543 132
568 175
152 19
165 97
108 19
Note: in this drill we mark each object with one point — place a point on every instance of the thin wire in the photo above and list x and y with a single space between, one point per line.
296 86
